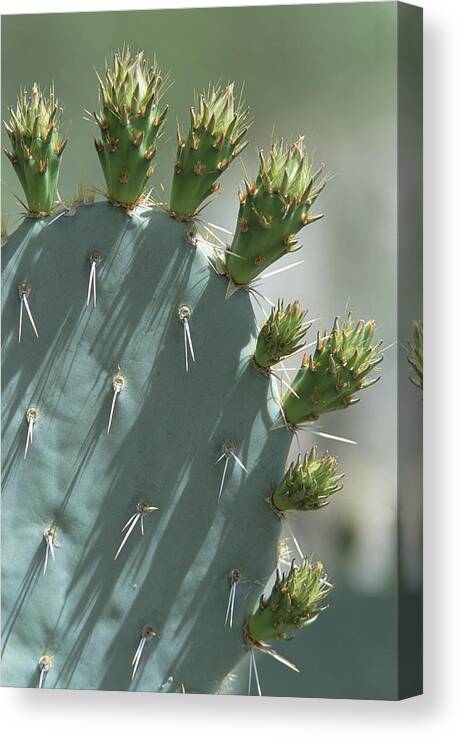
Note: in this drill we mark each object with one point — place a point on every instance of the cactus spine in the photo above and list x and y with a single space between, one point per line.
108 365
37 147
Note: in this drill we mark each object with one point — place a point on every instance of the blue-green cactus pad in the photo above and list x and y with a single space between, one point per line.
168 428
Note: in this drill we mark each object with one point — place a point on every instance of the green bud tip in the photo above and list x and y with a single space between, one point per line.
218 125
274 209
281 335
339 367
308 483
130 122
296 600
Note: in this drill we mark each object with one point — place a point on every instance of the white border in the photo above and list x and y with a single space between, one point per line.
72 714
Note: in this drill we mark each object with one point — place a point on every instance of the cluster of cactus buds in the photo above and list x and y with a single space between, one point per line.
273 209
295 601
217 129
33 130
130 123
308 484
415 355
281 335
330 377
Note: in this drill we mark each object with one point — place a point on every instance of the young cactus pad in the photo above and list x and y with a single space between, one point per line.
329 379
130 123
281 335
295 601
308 484
217 129
272 210
33 130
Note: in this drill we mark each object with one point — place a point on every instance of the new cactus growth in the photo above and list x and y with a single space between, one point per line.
130 122
281 335
308 484
37 147
217 129
295 601
273 209
330 377
415 355
120 421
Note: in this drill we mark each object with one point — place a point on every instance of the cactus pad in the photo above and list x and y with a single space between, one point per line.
167 432
138 450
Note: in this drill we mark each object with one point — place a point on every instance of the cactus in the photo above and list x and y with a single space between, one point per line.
215 138
273 209
307 484
281 335
130 124
330 377
294 602
415 354
37 147
138 438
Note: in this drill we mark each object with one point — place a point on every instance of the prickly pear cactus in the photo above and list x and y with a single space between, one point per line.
144 443
33 130
130 124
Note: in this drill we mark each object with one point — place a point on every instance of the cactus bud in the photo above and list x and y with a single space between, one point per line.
218 125
284 191
130 123
281 335
295 601
33 130
342 360
307 484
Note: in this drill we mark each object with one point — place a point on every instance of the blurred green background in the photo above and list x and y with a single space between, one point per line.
329 72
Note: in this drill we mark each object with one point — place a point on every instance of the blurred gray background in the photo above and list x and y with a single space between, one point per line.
329 72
